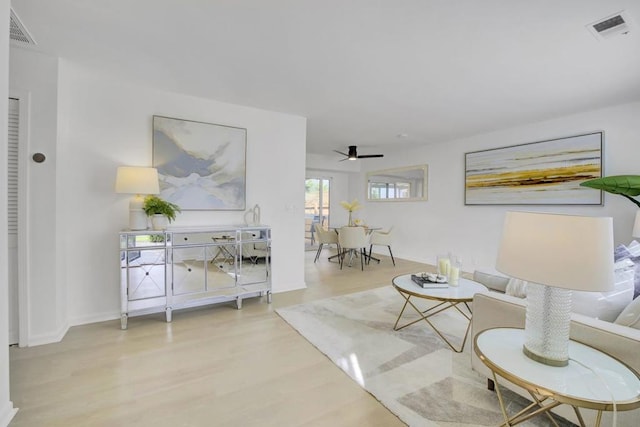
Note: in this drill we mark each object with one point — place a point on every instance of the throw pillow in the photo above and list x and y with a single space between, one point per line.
630 316
516 288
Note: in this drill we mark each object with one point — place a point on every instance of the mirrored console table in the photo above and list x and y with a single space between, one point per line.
187 267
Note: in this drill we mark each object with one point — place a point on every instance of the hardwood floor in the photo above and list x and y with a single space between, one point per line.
212 366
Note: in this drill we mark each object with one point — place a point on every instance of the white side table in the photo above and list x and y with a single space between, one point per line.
592 379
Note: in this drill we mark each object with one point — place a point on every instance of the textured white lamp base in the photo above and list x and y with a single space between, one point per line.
137 217
547 324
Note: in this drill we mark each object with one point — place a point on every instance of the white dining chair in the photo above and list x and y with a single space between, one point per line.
352 239
325 237
382 238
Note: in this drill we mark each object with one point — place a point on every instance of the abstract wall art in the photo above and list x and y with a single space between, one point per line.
201 166
537 173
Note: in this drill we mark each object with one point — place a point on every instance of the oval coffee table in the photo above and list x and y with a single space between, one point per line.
448 297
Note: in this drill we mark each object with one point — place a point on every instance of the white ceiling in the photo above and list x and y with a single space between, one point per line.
361 71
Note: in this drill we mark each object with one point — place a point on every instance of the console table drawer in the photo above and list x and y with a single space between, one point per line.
185 239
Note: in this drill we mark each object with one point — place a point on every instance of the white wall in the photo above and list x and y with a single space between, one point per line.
7 411
109 123
443 223
36 75
87 124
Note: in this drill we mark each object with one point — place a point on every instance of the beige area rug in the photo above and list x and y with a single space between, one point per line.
412 371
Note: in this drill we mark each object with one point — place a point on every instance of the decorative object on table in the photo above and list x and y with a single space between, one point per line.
455 268
443 264
202 166
429 280
252 216
138 181
351 207
555 253
161 211
538 173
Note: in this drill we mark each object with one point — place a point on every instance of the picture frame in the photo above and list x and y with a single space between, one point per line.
201 166
538 173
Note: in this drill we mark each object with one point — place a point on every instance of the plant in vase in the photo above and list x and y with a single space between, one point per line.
160 211
351 207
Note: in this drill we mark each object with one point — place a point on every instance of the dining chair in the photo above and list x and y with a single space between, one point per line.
382 238
325 237
352 239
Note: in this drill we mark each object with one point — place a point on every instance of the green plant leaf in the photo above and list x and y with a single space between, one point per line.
628 185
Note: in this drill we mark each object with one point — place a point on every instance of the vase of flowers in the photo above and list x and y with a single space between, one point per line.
351 207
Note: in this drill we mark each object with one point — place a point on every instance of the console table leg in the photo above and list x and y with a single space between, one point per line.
268 297
168 314
123 321
239 303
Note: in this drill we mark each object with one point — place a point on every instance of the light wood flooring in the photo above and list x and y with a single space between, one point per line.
212 366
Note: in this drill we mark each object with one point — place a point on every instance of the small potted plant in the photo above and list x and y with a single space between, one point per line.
160 211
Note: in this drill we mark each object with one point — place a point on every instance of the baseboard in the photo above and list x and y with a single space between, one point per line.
56 336
287 288
7 413
94 318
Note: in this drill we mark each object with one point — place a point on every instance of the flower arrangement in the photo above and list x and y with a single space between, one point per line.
351 207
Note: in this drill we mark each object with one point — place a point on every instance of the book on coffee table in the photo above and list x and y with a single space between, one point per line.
428 284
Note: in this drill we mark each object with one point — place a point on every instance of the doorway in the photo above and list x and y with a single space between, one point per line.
316 208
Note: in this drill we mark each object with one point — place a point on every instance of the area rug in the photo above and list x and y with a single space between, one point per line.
411 371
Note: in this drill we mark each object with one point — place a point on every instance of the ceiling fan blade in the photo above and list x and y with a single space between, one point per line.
370 156
340 152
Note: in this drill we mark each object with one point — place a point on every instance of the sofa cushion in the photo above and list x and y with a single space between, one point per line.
630 316
491 279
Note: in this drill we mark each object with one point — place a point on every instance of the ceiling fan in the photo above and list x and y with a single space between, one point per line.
353 154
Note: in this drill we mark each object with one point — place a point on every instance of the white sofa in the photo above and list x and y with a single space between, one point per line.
494 309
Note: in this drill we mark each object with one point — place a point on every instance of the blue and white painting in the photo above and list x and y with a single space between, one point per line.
201 166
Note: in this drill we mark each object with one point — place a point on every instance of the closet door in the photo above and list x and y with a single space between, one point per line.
12 217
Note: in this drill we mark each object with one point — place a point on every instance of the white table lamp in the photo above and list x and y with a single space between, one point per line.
139 181
555 254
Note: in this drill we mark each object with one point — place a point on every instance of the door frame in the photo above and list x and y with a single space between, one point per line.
330 180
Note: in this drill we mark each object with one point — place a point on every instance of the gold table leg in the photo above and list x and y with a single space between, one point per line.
528 412
424 315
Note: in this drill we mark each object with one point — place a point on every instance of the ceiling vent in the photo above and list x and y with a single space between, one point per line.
611 26
18 32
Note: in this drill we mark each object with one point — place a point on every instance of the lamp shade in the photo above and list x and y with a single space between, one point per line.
636 225
137 180
563 251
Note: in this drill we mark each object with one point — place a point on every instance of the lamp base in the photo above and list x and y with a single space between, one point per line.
137 218
547 324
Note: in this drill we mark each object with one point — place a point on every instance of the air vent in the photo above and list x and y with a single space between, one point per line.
18 32
611 26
